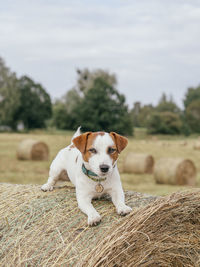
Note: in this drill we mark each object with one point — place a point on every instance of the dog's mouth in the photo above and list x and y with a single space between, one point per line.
103 174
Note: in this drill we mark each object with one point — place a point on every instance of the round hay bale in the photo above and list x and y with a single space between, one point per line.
30 149
48 229
175 171
164 233
197 145
138 163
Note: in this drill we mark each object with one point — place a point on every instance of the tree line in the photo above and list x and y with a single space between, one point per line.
167 118
22 101
94 103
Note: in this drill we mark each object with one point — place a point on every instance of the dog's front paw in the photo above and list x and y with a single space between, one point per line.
94 219
46 187
123 210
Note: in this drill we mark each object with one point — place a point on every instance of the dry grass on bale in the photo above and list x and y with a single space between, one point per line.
30 149
138 163
175 171
165 233
48 229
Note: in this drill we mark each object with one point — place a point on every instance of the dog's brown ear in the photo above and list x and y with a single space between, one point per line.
80 141
120 141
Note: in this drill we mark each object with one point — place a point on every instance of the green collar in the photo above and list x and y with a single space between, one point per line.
92 175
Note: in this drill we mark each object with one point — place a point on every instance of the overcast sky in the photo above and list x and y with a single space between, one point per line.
152 46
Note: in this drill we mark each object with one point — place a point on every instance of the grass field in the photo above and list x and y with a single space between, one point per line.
34 172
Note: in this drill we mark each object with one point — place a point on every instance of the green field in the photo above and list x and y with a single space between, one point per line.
36 172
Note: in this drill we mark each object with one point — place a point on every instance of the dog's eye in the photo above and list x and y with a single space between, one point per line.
111 150
93 150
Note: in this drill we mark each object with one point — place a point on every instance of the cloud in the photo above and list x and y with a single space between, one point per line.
151 45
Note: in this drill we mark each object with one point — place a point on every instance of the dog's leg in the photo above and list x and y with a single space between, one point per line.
118 200
85 205
54 175
50 183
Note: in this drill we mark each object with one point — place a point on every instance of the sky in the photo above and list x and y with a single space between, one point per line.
153 46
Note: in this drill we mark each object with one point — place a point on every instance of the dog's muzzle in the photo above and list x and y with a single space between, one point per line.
104 168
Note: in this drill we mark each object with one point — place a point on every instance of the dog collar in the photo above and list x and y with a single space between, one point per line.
92 175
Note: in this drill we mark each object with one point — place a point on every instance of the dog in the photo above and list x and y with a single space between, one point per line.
90 162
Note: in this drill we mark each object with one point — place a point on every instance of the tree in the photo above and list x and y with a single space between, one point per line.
166 104
35 104
135 114
104 108
62 118
9 96
141 114
145 114
191 95
64 115
71 107
192 115
191 111
185 129
164 123
71 100
166 118
86 79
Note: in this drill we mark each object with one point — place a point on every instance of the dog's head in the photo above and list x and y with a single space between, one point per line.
100 150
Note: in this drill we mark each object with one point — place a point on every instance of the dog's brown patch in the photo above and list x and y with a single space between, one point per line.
120 141
89 145
80 141
114 156
84 142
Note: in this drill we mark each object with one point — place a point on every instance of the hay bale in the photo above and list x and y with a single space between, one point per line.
197 145
138 163
164 233
175 171
30 149
48 229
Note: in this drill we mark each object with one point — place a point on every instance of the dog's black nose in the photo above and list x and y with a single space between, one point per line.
104 168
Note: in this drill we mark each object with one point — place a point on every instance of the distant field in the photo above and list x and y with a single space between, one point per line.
33 172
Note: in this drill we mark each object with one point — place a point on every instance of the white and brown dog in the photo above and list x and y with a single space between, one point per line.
91 165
